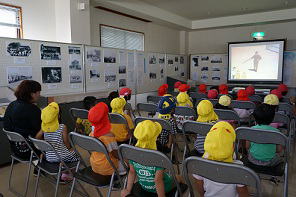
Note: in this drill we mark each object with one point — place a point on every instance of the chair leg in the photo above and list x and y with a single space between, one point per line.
111 185
72 187
286 181
10 174
37 182
28 176
58 181
99 192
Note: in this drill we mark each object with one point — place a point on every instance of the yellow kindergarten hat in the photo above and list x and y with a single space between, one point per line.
50 118
271 99
205 111
117 105
219 142
146 133
224 100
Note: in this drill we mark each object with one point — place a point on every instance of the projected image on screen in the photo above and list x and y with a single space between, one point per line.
256 61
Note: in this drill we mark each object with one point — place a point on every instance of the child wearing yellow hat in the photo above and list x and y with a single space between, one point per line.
223 103
219 146
120 130
57 135
153 180
205 111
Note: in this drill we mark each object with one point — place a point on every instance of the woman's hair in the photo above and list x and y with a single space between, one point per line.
89 102
264 114
26 88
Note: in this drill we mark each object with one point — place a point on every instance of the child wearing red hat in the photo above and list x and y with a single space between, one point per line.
98 116
176 86
250 90
223 89
163 89
126 93
277 93
212 94
283 88
244 114
202 88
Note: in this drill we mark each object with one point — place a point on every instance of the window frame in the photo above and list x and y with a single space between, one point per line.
20 29
104 25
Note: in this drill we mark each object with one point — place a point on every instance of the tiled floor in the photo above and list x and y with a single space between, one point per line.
46 189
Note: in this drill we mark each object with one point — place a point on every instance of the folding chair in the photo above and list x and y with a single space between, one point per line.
53 169
196 95
288 110
256 98
16 137
261 136
153 99
193 127
227 173
243 104
147 107
148 158
120 119
284 119
85 174
78 113
227 115
184 113
128 107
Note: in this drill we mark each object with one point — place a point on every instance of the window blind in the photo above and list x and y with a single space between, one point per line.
9 21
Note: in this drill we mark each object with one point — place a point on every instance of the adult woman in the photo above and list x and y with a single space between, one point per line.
23 116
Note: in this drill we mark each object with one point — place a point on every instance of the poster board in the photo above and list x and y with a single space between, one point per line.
58 67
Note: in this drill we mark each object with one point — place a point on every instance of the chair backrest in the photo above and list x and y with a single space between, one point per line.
227 115
153 99
214 101
164 123
185 111
200 128
196 95
148 158
128 107
281 118
243 104
79 113
146 107
256 98
227 173
261 136
286 107
118 119
14 137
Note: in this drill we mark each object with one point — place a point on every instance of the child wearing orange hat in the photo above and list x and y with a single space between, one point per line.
98 116
202 88
223 89
163 89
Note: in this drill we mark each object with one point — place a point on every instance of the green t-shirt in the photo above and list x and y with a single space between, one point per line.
146 175
263 152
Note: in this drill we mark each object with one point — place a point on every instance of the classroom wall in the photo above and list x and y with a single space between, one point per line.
158 38
215 40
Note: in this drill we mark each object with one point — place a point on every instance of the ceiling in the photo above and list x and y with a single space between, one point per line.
204 9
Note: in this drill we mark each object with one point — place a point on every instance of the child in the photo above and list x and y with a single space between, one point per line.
57 135
205 112
119 130
126 93
264 154
223 89
111 96
163 89
277 93
166 108
212 94
250 90
176 86
283 88
219 146
153 180
202 89
223 103
243 114
83 126
98 116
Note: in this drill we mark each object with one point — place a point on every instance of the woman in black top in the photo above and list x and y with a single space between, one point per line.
23 116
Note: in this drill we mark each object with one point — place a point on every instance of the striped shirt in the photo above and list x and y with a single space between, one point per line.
56 140
200 141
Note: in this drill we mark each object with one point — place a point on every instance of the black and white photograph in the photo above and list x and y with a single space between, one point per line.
122 83
176 69
93 54
51 74
216 59
94 74
110 78
195 61
18 49
205 68
205 58
170 61
216 78
182 74
152 59
75 65
75 78
152 75
122 69
161 60
176 59
74 50
50 52
216 68
17 74
110 55
181 60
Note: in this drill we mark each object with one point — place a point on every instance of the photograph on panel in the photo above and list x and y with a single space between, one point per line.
181 60
161 60
176 69
94 74
205 58
74 50
152 75
110 55
51 74
170 61
122 69
122 83
176 59
75 78
50 52
16 74
195 61
152 59
110 77
161 73
216 59
18 49
93 54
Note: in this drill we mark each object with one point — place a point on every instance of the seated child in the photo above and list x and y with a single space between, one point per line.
176 86
119 130
152 179
126 93
212 94
250 90
283 88
98 116
273 101
83 126
166 108
223 103
243 114
205 112
277 93
264 154
223 89
57 135
163 89
111 96
202 89
219 146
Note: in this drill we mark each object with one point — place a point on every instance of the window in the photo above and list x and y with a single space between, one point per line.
10 21
122 39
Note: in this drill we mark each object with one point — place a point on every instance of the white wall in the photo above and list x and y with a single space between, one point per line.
157 38
215 40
